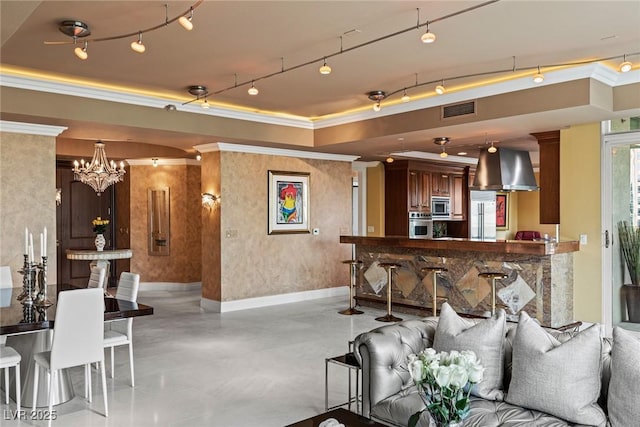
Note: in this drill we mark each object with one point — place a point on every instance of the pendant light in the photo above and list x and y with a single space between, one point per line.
253 90
440 89
538 77
625 66
138 46
405 97
325 69
428 37
442 141
377 96
186 22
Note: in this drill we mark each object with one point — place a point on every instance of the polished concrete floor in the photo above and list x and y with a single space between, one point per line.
259 367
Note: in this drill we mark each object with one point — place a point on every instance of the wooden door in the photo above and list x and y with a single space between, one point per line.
74 230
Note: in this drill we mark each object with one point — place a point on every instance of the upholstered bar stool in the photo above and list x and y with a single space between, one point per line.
434 292
355 264
389 266
493 276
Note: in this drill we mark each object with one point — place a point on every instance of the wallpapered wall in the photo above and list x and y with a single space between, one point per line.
27 199
256 264
184 263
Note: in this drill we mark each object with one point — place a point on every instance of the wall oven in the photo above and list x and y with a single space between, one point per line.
440 207
420 225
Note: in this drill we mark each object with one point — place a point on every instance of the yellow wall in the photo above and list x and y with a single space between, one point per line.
580 214
375 200
27 199
528 212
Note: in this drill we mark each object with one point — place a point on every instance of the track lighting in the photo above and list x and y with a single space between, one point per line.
492 149
138 46
81 52
405 97
154 162
538 77
625 66
377 96
186 21
428 37
442 141
252 90
325 69
205 104
389 159
440 89
198 157
377 107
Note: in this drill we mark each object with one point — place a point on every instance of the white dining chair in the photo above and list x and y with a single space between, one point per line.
77 339
97 278
120 332
9 357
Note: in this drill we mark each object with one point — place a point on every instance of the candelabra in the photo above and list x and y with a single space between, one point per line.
41 298
34 283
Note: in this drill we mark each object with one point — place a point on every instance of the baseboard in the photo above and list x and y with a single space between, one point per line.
247 303
169 286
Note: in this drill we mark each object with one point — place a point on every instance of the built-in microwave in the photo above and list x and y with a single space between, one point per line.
440 207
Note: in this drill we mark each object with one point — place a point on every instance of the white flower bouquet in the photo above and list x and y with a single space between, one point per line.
444 382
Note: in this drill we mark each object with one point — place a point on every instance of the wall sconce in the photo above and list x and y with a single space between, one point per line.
58 196
208 200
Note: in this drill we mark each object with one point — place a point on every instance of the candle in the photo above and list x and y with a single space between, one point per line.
30 248
41 245
26 241
45 242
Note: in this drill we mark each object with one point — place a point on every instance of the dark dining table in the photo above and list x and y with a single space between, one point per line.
28 329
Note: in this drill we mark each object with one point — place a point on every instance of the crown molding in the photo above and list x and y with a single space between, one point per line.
31 128
435 156
268 151
162 162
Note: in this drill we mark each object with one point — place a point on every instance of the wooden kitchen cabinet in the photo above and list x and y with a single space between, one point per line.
440 184
458 210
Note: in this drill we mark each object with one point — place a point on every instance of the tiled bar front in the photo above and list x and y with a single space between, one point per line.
541 285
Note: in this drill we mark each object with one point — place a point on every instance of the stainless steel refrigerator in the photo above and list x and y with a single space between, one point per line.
483 215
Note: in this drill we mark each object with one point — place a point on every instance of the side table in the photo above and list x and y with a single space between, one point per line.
350 362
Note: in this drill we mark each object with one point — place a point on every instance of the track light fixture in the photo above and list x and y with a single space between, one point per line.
253 90
154 162
440 89
538 77
405 97
138 46
428 37
492 149
376 96
185 21
325 69
442 141
625 66
81 52
78 29
205 104
389 159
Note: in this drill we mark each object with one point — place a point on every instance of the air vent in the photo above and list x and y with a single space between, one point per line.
457 110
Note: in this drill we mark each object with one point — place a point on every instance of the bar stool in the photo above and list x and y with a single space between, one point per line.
493 276
352 288
434 292
390 266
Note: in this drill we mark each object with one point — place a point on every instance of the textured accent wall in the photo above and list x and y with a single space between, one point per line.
211 268
255 264
27 199
184 263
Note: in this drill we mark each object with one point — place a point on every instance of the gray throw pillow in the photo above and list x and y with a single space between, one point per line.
561 379
484 337
624 386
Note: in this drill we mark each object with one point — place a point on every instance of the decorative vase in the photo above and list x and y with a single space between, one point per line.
100 242
631 295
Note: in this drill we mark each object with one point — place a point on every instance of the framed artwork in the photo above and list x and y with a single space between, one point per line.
288 202
502 211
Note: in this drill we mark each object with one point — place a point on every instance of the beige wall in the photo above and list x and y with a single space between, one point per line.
528 212
27 199
580 214
211 267
375 200
183 265
256 264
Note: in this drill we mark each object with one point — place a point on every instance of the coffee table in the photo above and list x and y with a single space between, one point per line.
348 418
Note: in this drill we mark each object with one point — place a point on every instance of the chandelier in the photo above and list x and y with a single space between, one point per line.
99 173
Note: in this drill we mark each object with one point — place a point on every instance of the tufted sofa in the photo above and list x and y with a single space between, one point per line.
389 396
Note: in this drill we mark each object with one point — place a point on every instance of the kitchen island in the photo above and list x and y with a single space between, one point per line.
539 282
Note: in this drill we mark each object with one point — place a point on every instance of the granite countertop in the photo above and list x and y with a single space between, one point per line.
451 243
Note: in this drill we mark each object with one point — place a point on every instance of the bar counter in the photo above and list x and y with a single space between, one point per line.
540 275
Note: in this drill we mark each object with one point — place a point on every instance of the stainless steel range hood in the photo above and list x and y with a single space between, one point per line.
504 170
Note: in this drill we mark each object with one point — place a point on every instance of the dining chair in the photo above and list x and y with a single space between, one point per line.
9 358
120 332
77 340
97 278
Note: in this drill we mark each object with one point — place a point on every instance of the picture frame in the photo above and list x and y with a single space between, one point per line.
502 211
288 202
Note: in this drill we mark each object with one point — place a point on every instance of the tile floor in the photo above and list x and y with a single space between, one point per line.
260 367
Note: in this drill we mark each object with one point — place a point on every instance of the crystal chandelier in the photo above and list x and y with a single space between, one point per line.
99 173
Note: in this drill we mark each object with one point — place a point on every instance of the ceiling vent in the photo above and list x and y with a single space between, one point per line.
458 110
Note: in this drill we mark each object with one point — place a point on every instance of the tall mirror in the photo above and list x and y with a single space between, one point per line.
158 220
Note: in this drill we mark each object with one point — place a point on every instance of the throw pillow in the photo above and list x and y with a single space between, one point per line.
485 338
624 386
561 379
